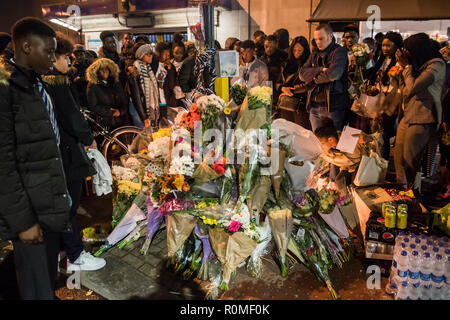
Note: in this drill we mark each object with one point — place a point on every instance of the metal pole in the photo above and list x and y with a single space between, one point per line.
249 22
208 19
208 22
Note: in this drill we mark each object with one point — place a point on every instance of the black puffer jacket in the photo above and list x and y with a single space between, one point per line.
33 186
74 129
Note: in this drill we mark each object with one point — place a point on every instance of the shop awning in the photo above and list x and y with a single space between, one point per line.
356 10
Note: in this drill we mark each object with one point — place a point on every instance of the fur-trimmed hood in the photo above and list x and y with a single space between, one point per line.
5 72
92 71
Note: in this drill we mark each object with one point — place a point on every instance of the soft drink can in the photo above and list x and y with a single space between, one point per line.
402 219
389 220
402 207
385 206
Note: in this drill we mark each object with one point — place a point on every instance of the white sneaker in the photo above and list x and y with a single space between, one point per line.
86 262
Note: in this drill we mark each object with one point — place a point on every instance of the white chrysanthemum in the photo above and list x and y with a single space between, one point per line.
211 100
159 148
122 173
182 165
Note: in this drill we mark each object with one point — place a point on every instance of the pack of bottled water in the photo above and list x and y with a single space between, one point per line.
420 268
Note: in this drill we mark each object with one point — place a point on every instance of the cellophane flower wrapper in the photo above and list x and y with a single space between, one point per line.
277 177
154 221
281 224
254 264
204 173
138 232
179 227
258 196
308 248
231 250
194 260
207 251
125 194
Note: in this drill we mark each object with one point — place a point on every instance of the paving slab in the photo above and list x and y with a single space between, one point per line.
118 281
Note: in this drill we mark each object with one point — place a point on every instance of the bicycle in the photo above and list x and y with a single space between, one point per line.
116 142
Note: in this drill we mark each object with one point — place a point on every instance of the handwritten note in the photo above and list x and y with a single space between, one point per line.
349 139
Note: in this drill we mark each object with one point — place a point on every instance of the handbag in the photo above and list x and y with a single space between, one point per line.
372 170
367 106
288 103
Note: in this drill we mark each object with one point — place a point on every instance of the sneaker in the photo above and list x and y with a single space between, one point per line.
86 262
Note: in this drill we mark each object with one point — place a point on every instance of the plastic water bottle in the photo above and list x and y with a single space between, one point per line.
447 272
417 241
414 275
437 293
435 239
400 237
435 251
424 249
438 272
412 247
403 291
393 278
406 240
444 239
429 243
426 270
402 267
423 238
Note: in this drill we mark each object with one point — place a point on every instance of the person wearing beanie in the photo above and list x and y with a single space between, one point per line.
143 88
351 36
283 39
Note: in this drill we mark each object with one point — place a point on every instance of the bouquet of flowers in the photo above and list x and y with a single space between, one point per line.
306 203
326 202
238 93
305 247
254 263
154 221
395 74
281 224
361 53
126 193
210 107
231 248
179 228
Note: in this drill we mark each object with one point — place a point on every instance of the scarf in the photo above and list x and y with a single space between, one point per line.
150 89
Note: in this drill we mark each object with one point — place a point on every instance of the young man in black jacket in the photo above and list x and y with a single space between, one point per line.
75 136
325 75
34 201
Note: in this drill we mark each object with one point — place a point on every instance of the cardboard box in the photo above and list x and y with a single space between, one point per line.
368 200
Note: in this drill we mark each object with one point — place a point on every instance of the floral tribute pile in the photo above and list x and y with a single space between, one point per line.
226 200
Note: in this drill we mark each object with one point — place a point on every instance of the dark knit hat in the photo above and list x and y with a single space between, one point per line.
5 38
351 27
395 37
106 34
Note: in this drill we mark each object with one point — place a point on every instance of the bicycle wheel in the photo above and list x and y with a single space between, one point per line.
119 145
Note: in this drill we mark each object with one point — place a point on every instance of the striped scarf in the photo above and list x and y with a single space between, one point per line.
150 88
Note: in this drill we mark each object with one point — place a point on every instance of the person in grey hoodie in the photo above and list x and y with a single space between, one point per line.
424 78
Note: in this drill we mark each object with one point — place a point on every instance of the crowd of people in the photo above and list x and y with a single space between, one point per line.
45 80
312 87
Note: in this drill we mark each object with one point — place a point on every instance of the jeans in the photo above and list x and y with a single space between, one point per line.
135 119
318 115
72 242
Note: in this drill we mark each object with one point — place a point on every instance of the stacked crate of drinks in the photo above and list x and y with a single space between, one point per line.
420 268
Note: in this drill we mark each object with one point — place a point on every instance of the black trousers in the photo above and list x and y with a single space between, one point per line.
37 267
72 242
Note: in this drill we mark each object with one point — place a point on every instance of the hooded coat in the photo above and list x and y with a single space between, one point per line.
33 184
102 97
